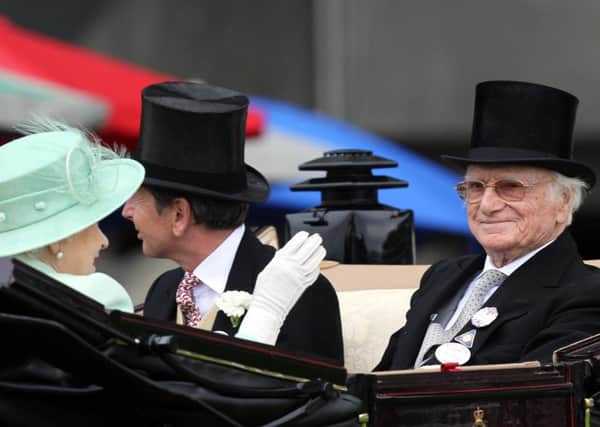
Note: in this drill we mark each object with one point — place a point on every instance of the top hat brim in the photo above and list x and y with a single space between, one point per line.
127 176
503 155
257 189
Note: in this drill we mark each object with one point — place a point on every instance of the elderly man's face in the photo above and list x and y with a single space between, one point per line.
510 229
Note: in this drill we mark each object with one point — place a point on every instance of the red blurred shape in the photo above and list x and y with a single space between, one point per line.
255 122
118 83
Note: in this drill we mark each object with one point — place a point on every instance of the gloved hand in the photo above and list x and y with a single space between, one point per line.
279 286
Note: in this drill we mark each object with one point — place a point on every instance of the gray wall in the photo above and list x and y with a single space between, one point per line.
261 47
405 69
421 60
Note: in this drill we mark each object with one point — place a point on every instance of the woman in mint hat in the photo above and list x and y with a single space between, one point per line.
55 185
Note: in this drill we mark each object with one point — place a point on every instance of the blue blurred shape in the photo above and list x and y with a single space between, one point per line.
430 193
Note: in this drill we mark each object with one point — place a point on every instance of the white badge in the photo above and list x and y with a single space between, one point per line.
484 317
452 352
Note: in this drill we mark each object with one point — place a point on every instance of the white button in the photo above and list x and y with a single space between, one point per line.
2 217
39 206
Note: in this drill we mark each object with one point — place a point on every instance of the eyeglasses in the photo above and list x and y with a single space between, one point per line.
509 190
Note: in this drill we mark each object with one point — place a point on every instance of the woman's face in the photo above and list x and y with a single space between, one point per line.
79 251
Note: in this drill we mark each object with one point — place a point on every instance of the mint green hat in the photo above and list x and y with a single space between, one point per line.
54 184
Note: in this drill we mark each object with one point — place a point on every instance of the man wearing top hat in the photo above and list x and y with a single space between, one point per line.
529 293
191 209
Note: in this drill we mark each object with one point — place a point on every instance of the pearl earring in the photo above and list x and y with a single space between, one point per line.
60 255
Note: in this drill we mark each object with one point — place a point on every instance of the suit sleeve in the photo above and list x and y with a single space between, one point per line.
313 327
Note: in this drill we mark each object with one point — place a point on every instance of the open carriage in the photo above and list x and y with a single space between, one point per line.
67 362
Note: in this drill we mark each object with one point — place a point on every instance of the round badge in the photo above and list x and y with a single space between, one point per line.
452 352
484 317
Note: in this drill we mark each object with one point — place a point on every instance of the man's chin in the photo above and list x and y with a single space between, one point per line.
497 243
147 251
152 253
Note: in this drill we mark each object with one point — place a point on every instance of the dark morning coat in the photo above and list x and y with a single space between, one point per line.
313 327
550 301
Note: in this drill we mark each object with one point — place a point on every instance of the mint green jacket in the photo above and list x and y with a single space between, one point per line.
98 286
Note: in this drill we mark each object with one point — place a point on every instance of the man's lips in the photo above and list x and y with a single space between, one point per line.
494 225
493 221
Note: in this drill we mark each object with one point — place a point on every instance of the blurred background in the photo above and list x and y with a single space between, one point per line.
393 76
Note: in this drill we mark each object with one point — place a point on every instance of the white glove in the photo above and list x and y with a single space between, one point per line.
279 286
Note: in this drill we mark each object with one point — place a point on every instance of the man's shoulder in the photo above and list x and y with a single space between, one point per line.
583 272
169 277
251 246
447 268
446 264
324 287
320 296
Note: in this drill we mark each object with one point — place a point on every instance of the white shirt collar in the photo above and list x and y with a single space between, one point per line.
510 268
214 270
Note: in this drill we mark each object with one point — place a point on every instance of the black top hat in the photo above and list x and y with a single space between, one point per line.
192 141
524 123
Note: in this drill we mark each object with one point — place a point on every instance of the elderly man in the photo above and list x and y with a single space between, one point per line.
530 293
191 209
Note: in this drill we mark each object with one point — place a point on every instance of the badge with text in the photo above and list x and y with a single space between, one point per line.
467 338
452 352
484 317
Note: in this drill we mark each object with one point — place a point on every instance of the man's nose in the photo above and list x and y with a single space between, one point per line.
127 211
490 201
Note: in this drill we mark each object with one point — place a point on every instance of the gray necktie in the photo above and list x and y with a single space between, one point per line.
436 334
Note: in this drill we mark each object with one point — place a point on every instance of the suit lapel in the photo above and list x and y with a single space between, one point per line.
434 298
164 302
250 259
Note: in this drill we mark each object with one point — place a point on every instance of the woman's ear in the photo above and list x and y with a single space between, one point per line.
54 249
52 255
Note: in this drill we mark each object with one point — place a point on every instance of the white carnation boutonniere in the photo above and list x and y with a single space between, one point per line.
234 304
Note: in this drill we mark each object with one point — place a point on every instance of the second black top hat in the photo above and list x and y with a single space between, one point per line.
524 123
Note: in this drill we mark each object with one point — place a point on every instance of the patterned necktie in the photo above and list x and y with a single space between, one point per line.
437 335
185 300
